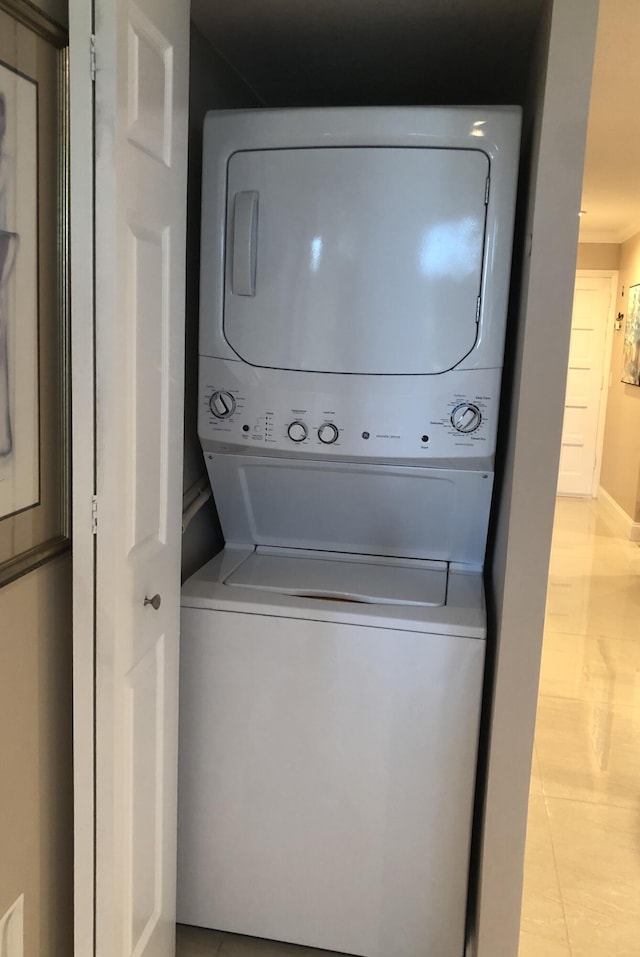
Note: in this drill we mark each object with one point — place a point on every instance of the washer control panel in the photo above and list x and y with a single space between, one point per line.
431 419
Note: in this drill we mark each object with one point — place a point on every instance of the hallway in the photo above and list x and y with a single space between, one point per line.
582 867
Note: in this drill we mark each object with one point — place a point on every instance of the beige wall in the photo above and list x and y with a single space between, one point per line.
620 475
598 256
36 808
36 789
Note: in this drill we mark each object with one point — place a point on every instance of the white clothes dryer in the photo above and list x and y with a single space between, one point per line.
330 706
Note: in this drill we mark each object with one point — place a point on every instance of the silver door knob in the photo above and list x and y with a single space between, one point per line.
154 602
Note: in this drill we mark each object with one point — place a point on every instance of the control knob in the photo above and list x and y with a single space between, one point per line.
466 417
328 433
222 404
297 431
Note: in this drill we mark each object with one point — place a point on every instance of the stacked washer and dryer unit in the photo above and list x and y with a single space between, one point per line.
355 268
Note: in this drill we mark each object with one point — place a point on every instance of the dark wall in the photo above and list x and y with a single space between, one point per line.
213 84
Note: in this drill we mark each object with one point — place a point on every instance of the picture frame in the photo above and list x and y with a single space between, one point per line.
631 345
34 290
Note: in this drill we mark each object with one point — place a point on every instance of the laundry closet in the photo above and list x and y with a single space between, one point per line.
418 56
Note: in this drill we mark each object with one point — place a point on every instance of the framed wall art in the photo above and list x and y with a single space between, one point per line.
34 340
631 345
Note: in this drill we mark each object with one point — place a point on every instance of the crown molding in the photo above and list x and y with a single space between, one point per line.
612 237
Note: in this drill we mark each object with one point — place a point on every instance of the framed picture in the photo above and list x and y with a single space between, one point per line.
34 340
631 346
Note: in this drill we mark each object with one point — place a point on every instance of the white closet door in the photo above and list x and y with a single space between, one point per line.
141 91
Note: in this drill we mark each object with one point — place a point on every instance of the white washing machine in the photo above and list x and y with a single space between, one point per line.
355 268
328 749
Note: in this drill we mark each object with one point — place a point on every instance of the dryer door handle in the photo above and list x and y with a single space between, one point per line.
245 241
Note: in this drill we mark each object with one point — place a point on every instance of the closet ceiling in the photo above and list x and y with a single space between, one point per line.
336 52
328 52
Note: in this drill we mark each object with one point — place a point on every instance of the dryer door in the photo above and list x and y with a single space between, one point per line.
355 260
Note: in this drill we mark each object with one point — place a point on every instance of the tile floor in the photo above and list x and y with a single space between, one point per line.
582 865
196 942
582 868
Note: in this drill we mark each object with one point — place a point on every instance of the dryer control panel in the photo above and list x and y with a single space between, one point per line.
433 420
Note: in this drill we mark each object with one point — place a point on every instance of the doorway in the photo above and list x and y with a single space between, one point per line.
587 381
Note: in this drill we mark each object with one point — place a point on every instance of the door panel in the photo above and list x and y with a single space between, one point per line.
144 758
149 259
585 381
141 136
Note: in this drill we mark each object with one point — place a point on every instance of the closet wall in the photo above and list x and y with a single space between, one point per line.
213 84
36 786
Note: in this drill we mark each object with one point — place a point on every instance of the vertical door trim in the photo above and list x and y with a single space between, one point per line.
81 96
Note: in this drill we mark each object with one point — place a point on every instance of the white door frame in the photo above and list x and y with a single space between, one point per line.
83 468
612 276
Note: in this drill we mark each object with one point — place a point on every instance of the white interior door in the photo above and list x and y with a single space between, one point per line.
141 97
584 401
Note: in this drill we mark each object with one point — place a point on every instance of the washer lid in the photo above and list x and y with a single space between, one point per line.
343 577
355 260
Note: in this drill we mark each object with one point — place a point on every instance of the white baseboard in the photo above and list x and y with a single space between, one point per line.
622 523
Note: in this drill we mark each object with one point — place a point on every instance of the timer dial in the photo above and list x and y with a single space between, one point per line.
466 417
222 404
328 433
297 431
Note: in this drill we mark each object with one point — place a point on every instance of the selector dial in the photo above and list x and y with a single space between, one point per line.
328 433
222 404
466 417
297 431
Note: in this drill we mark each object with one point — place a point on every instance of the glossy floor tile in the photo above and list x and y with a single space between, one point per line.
582 864
197 942
543 928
